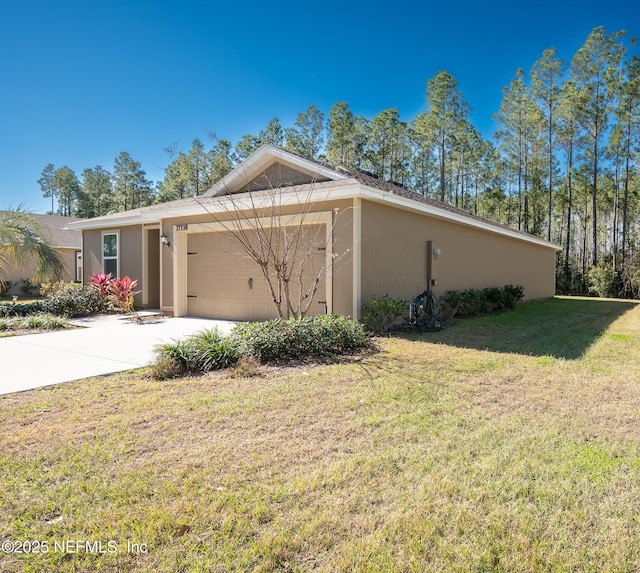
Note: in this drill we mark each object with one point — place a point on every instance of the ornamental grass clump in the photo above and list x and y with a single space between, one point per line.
203 352
39 321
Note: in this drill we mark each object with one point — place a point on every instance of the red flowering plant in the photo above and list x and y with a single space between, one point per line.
100 283
122 293
119 293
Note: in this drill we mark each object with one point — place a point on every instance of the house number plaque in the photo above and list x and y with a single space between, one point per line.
183 227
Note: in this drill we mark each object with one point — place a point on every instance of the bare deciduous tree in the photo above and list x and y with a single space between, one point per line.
287 233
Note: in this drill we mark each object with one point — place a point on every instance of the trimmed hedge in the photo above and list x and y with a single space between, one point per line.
271 341
312 337
478 302
72 299
63 299
21 308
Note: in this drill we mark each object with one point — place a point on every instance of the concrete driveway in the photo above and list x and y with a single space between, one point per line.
104 344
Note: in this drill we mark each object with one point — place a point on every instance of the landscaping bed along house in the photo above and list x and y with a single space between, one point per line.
274 341
61 300
322 336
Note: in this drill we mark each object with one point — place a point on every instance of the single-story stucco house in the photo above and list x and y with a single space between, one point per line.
68 244
367 237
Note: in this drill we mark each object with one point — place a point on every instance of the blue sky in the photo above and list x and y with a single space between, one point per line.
83 81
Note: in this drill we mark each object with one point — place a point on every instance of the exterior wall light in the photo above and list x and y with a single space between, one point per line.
437 252
165 240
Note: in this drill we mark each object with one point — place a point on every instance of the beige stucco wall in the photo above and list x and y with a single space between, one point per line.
27 271
391 253
394 260
342 260
130 253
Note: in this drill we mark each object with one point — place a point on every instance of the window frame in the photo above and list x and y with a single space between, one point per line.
110 257
79 271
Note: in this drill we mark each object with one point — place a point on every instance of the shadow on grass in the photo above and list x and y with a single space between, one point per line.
558 327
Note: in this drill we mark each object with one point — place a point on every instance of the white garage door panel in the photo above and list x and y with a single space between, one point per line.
219 273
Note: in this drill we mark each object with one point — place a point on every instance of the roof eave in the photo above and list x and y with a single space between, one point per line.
128 220
349 190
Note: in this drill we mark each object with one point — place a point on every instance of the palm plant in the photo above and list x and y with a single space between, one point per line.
22 240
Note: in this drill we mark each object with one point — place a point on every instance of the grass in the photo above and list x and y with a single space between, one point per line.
42 322
463 450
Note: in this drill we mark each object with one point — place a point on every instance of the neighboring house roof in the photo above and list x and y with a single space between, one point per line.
56 226
340 182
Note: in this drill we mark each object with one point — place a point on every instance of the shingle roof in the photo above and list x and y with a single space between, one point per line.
396 189
60 236
339 177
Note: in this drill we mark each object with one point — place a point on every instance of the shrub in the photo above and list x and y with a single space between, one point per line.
28 287
21 308
512 294
603 281
246 367
122 292
71 299
212 351
5 286
382 313
165 367
474 302
178 355
252 342
630 278
311 337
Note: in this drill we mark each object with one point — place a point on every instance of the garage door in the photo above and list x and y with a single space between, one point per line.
224 282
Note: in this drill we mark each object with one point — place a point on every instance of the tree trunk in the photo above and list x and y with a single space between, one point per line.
594 201
569 214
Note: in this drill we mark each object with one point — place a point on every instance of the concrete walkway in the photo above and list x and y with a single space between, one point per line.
104 345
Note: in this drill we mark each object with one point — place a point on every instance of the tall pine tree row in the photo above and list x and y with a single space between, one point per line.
563 163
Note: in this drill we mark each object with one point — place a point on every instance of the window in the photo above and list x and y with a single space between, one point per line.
110 253
78 266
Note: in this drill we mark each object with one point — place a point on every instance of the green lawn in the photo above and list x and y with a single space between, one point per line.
505 443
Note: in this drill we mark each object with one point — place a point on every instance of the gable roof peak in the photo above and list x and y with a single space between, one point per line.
262 158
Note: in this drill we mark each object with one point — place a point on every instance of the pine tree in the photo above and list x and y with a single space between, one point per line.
594 72
388 149
628 115
519 123
68 186
345 136
546 84
131 187
273 134
306 138
447 110
47 184
96 195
